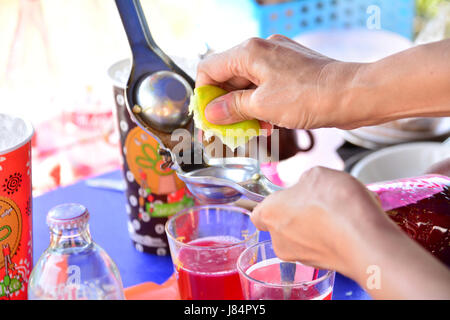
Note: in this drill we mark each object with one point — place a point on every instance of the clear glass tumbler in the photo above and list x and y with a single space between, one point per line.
259 271
205 243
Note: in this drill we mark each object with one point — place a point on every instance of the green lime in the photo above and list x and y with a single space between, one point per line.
232 135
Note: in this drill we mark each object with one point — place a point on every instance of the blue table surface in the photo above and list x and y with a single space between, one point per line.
108 226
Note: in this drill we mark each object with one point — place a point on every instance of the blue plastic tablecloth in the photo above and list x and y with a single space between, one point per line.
108 226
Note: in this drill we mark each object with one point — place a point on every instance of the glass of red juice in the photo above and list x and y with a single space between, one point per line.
259 271
205 243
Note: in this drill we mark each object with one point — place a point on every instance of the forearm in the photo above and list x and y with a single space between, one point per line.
389 265
412 83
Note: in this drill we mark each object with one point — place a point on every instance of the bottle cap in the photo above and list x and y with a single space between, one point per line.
67 216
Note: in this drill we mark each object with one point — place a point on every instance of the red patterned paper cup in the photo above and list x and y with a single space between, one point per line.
15 207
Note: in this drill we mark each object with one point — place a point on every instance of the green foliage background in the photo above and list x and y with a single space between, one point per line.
428 8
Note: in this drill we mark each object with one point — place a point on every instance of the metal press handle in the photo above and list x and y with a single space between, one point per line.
143 46
136 28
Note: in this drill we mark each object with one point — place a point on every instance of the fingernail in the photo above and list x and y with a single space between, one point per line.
217 110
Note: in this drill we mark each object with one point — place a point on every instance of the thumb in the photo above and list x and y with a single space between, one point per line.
256 217
230 108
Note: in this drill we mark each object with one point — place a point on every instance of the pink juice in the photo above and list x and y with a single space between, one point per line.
268 271
210 274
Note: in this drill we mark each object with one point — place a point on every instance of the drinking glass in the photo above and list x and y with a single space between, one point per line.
205 243
259 271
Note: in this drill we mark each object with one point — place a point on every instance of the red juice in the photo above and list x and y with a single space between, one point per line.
428 222
268 271
421 207
210 273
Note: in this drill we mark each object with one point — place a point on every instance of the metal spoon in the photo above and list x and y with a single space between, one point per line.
287 272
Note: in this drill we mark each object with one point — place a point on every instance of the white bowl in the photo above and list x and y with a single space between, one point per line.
400 161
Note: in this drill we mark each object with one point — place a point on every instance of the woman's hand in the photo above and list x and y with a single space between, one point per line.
319 220
277 81
284 83
330 220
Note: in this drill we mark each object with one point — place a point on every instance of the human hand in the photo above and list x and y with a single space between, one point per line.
277 81
283 83
330 220
319 220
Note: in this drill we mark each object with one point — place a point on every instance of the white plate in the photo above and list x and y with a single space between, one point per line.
379 136
401 161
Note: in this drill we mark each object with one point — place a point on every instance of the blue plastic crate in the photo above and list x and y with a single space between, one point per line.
298 16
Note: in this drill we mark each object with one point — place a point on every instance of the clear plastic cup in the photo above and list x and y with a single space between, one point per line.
205 243
259 271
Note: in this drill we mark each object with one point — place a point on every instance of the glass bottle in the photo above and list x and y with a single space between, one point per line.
73 267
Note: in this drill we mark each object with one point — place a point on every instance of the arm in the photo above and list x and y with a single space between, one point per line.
412 83
313 91
330 220
406 270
